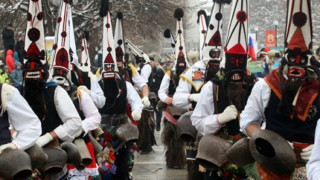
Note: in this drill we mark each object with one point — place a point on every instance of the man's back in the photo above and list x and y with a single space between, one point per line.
157 76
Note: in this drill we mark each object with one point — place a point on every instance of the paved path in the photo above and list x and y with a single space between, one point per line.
153 166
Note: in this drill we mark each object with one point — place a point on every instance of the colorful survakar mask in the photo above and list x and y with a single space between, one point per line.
35 57
236 48
298 38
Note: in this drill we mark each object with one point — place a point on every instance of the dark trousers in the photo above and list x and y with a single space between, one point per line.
158 116
122 159
212 175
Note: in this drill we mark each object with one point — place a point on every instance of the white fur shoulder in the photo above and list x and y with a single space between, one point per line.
7 94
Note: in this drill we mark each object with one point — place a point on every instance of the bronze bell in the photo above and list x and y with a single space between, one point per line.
15 164
272 152
212 151
176 112
37 156
127 132
57 159
84 153
239 153
187 131
73 154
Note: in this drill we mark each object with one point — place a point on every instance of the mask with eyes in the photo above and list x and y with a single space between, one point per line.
235 67
181 64
61 67
214 53
109 76
213 64
297 62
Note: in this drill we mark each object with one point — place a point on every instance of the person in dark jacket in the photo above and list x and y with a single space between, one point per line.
8 38
20 47
157 75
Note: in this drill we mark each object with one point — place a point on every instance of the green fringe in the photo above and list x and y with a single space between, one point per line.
252 171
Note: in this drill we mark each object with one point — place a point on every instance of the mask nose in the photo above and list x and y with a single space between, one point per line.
298 59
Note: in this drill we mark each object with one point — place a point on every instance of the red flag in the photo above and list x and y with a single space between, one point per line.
270 38
251 52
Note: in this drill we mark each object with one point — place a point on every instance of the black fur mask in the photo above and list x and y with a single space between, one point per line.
33 91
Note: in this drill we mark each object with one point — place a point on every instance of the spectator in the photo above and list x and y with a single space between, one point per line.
10 60
16 76
5 75
16 57
1 67
8 38
157 75
263 56
277 61
20 47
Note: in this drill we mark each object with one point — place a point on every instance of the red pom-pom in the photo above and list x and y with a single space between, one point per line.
111 156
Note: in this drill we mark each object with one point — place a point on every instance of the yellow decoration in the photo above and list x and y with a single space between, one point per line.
168 73
98 73
133 69
78 93
184 78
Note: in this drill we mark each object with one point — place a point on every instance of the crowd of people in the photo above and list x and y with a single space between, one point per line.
66 121
10 66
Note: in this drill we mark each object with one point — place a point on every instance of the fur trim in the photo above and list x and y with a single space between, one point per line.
178 13
7 93
174 146
193 171
193 55
122 159
146 127
167 33
223 1
119 15
85 172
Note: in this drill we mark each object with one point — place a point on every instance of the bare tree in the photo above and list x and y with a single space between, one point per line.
144 20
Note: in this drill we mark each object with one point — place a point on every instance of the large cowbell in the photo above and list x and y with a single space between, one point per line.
34 60
236 49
